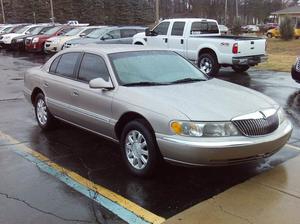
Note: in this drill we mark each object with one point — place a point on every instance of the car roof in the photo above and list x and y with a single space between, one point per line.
111 48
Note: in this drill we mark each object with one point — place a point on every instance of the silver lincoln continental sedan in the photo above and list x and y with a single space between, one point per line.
157 106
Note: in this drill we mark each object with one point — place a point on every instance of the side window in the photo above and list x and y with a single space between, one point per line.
114 34
67 65
92 66
126 33
54 65
178 28
204 28
162 28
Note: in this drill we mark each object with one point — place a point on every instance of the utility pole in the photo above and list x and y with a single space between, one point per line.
226 7
52 12
157 11
2 8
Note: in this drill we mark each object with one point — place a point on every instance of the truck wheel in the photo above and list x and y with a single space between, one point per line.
208 63
240 68
139 148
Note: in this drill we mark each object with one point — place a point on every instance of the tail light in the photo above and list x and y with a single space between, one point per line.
235 48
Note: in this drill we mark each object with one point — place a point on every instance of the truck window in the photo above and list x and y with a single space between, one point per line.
162 28
204 28
177 29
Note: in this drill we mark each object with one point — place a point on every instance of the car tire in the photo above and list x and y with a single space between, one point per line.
240 68
43 116
139 148
269 35
208 63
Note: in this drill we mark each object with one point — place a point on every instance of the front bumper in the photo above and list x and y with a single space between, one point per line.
295 74
223 150
249 60
50 47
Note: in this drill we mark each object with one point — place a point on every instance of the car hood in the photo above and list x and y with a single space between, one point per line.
212 100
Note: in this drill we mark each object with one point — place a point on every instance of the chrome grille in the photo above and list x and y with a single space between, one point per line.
297 65
257 127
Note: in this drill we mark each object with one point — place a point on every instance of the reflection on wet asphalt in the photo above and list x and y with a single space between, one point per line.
175 188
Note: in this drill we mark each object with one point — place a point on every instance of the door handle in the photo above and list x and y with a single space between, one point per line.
181 41
166 40
46 84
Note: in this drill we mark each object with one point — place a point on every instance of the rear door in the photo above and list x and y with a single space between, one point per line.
176 41
58 85
93 106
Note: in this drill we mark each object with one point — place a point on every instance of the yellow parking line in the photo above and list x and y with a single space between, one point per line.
120 200
293 147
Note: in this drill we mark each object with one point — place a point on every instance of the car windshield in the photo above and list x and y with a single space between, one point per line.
96 33
8 29
153 68
74 31
45 29
53 30
36 30
22 30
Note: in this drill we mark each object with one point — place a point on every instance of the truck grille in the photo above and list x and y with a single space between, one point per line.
298 65
257 127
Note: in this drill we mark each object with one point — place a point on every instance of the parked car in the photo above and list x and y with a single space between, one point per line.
200 41
18 43
250 29
296 71
55 44
6 39
76 23
146 100
223 29
37 43
108 35
276 33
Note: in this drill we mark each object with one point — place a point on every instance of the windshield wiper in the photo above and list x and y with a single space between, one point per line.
145 84
187 80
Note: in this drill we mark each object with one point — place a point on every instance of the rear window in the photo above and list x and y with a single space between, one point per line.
67 65
204 28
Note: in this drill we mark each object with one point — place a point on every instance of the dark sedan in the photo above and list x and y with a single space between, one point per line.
296 71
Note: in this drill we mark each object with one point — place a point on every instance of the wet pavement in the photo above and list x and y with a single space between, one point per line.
172 191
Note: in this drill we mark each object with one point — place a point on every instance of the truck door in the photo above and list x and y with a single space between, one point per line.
161 38
176 41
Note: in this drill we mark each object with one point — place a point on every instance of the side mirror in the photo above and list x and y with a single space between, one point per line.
27 32
60 33
83 35
149 32
100 83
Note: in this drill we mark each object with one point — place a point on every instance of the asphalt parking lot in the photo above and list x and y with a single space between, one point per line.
30 193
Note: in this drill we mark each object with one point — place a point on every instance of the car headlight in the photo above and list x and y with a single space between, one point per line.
281 115
35 40
204 129
19 40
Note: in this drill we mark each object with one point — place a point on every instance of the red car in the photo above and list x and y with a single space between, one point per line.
36 43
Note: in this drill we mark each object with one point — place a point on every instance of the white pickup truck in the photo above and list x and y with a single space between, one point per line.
200 41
